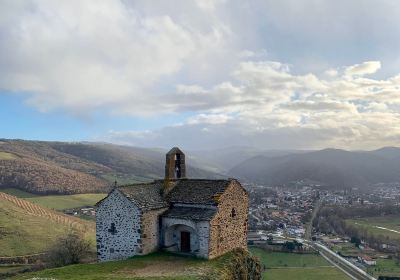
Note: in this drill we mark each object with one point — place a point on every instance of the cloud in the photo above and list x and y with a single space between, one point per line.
368 67
83 56
264 103
235 72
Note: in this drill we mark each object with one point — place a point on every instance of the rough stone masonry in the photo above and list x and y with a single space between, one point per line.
196 217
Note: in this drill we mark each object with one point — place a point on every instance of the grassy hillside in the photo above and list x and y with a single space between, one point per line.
283 266
71 168
61 202
26 228
39 176
154 266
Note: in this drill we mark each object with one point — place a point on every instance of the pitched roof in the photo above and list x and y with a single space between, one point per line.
186 191
197 191
190 213
175 150
146 196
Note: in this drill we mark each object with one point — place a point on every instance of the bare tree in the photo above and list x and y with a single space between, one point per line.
69 249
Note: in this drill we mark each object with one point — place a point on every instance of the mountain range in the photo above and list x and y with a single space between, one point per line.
84 167
329 167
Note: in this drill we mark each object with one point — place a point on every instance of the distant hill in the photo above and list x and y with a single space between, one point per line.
68 168
84 167
330 167
222 160
27 228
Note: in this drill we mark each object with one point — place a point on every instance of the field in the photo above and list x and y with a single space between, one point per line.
387 225
18 193
385 267
283 266
7 156
61 202
311 273
57 202
26 228
347 249
125 180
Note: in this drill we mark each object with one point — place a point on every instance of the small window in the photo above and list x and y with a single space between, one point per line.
112 229
233 213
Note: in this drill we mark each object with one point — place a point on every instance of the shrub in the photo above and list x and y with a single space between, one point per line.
70 249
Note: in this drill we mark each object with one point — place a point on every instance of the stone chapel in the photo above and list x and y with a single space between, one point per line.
197 217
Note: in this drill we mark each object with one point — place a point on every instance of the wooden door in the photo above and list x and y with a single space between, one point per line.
185 241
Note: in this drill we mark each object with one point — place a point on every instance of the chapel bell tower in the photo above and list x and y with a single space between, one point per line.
175 164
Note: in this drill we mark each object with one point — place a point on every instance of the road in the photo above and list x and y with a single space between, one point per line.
344 265
314 213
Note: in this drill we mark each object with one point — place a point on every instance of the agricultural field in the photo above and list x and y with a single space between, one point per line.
383 225
310 273
385 267
18 193
62 202
57 202
27 228
125 180
347 249
7 156
282 266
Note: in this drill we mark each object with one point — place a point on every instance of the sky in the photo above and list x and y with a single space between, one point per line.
299 74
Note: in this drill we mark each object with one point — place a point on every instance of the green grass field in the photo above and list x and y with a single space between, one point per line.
278 259
7 156
347 249
18 193
57 202
283 266
61 202
22 233
125 180
311 273
371 224
385 267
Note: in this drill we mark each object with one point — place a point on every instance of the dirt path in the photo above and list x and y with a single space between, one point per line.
166 268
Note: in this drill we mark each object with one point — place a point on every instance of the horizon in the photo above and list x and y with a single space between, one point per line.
301 75
199 150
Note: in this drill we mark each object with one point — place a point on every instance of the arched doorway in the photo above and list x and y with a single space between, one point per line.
181 238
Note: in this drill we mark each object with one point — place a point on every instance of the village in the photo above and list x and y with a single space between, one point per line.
278 215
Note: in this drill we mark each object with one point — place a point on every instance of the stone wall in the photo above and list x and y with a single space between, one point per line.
118 228
228 228
151 230
199 235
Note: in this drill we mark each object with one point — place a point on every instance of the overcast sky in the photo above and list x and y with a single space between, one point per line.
301 74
